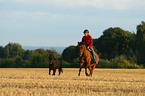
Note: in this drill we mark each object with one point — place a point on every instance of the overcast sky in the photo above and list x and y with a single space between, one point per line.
61 22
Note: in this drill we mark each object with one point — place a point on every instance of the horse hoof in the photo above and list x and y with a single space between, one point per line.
87 74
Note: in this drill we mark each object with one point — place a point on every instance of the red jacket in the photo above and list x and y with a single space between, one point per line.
88 40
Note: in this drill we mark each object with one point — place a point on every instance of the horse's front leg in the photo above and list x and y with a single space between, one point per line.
54 70
86 71
81 64
49 71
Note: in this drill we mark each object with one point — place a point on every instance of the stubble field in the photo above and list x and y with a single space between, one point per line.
104 82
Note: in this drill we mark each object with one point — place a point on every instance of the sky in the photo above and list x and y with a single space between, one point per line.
62 22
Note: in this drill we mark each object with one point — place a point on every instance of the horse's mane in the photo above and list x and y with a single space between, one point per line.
82 43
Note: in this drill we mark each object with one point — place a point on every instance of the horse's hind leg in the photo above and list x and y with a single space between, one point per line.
91 72
86 71
80 69
90 68
60 70
49 71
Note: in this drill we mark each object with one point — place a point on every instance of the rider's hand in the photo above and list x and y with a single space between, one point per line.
88 48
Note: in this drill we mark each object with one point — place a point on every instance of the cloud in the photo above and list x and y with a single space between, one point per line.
103 4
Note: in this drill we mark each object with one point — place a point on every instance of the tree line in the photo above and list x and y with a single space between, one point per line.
117 48
14 56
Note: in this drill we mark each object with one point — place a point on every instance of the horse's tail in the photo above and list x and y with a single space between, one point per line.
97 58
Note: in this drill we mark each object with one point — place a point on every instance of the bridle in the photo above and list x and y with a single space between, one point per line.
82 51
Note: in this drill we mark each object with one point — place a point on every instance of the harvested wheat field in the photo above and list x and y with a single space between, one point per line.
104 82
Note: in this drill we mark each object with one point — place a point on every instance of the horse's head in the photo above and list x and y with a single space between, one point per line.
82 47
51 59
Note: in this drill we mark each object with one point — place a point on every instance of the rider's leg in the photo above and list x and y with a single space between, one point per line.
93 54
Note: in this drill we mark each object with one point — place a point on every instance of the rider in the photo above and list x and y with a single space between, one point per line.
89 41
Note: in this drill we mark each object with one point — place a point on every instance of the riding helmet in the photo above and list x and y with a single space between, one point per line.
86 31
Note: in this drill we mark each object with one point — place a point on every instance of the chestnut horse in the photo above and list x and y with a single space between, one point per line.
86 59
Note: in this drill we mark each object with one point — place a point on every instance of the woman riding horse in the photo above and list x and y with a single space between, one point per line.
89 41
86 52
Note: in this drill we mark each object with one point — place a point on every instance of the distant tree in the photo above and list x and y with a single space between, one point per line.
113 42
28 54
19 62
141 43
8 63
40 58
141 31
1 52
37 61
12 50
70 53
13 55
